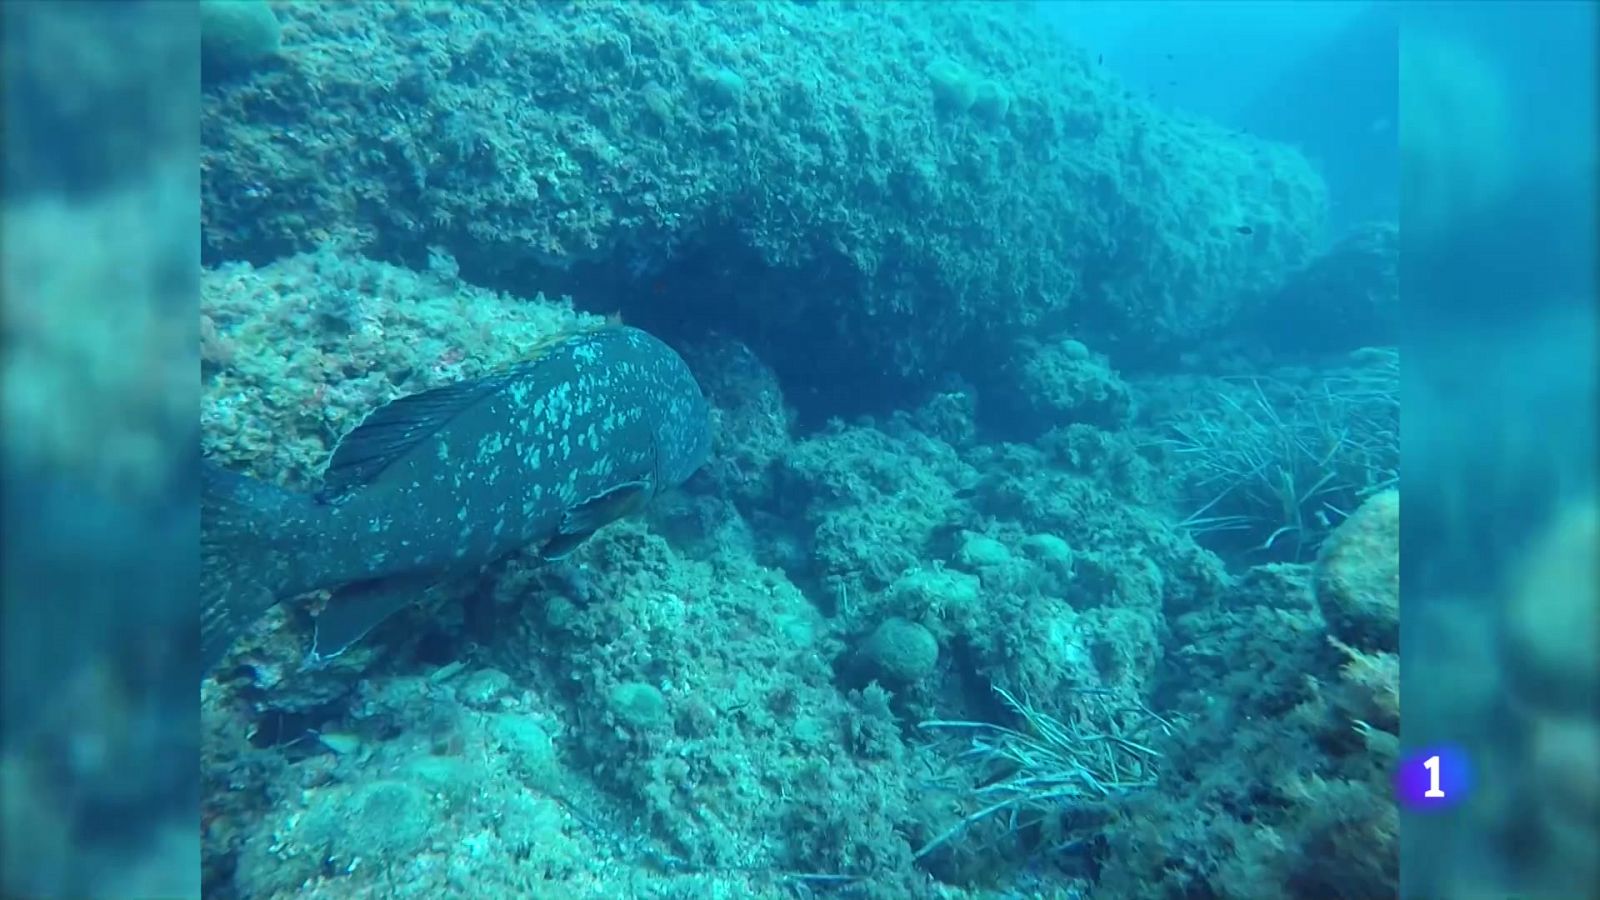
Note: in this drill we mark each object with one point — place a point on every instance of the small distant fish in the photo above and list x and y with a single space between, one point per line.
1245 229
440 483
1100 60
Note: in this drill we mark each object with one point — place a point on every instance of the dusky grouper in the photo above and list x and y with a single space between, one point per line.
440 483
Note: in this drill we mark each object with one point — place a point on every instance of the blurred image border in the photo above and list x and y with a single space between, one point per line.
1499 404
99 728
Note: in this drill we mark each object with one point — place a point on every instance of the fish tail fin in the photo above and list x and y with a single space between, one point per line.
252 534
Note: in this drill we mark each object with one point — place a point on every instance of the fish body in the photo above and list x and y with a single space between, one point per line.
442 482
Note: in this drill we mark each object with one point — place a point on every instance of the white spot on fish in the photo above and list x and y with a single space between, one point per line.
489 446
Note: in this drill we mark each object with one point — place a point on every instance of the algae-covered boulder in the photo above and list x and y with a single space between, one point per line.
1357 576
236 35
638 705
380 823
873 178
953 86
1057 382
978 552
901 651
1051 551
1345 299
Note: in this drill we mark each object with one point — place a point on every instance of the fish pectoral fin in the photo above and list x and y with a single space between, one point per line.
602 509
561 546
356 609
591 515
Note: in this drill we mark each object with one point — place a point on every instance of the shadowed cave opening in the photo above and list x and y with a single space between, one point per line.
720 286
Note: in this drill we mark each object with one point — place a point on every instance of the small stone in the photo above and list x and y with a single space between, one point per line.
1050 550
638 705
483 688
902 651
340 742
981 552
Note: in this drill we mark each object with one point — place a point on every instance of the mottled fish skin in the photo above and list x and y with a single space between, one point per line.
596 425
597 411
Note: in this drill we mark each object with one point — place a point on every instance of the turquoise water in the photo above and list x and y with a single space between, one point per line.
1048 540
1020 377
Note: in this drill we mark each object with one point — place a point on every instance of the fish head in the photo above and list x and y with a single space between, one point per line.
683 434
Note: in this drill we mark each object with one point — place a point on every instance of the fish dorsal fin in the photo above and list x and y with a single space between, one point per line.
570 333
391 430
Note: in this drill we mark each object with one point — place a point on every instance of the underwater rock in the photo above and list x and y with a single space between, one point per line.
953 86
638 705
1345 299
483 688
936 590
1050 550
852 148
532 755
1048 384
902 651
980 552
236 35
376 824
1357 576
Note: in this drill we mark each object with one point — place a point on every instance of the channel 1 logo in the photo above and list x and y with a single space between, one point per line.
1434 778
